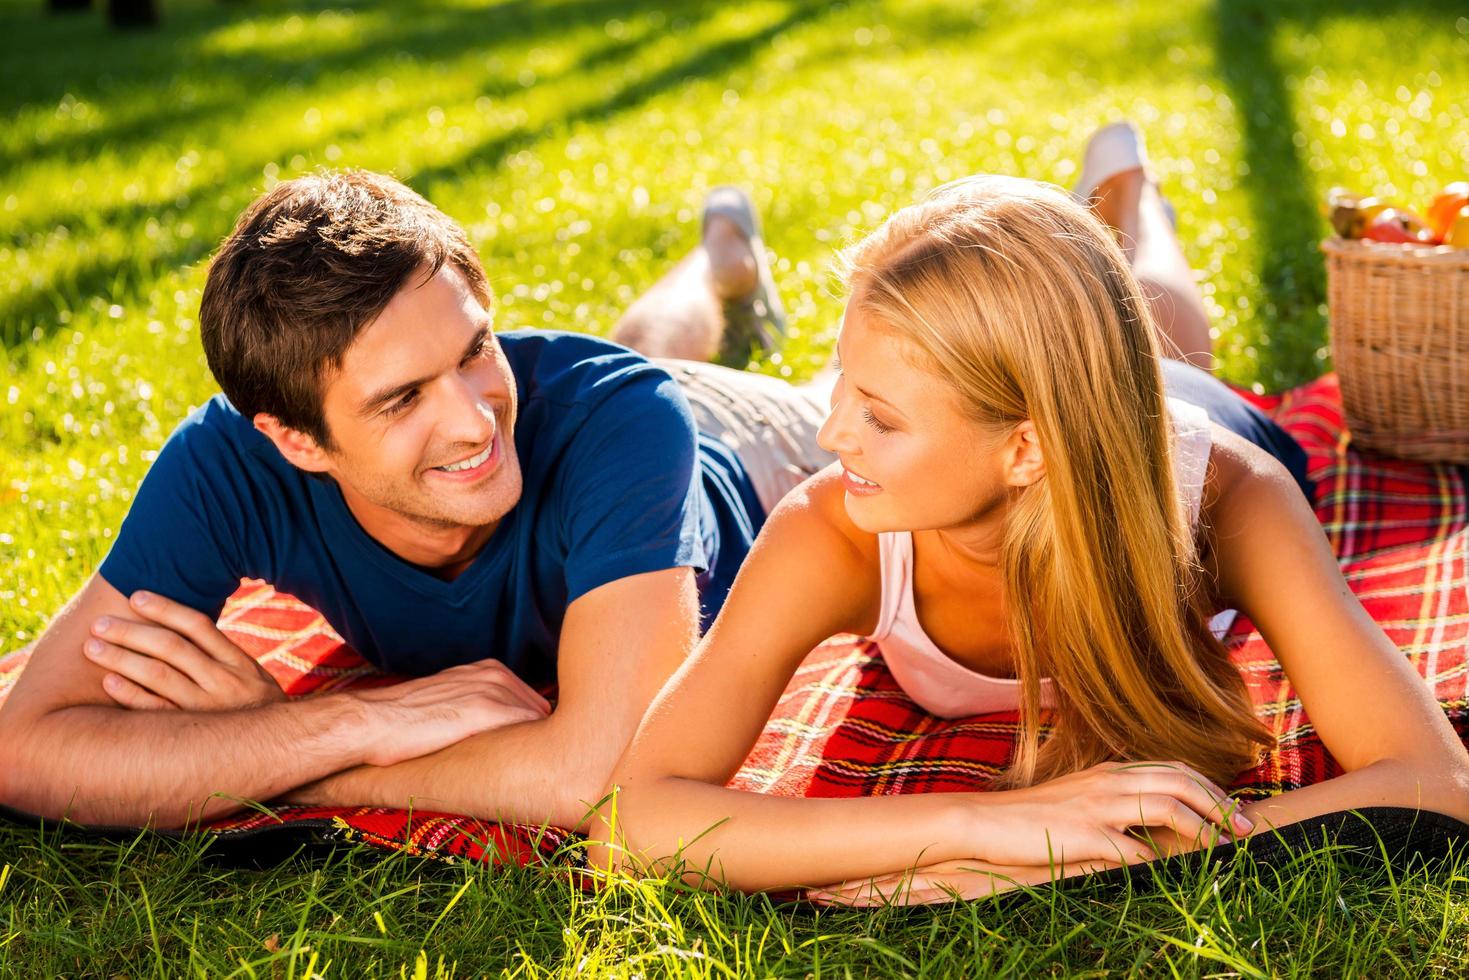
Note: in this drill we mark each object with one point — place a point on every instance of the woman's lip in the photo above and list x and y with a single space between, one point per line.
857 485
477 472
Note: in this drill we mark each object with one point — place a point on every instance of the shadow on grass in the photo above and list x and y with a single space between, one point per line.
715 60
420 31
1283 198
439 35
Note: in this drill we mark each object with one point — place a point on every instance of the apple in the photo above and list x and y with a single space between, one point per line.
1447 206
1397 226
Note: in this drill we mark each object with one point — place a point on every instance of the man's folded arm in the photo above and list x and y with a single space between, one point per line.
619 643
66 749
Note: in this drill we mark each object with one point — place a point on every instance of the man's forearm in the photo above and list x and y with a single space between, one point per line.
529 773
103 765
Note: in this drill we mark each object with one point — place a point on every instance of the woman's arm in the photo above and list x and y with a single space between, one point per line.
809 576
1373 711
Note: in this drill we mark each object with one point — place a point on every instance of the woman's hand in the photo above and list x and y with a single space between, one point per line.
950 881
1103 814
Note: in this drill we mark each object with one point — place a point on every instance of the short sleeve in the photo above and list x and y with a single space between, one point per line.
632 487
176 539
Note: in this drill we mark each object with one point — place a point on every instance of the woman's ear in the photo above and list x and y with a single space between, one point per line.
299 449
1024 461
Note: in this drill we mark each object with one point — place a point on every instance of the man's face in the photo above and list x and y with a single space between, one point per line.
422 415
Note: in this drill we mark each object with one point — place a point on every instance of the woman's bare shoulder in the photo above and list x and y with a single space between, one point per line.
1237 466
818 507
1244 482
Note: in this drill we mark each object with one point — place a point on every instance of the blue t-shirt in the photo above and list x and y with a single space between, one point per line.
617 482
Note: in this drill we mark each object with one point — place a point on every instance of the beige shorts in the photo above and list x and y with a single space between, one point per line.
769 423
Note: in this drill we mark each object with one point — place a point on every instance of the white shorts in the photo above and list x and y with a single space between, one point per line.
769 423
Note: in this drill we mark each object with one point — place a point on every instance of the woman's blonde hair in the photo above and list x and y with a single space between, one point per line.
1023 300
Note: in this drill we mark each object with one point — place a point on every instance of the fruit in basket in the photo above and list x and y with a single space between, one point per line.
1351 213
1447 206
1458 234
1397 226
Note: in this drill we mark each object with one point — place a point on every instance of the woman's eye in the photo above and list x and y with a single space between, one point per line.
875 422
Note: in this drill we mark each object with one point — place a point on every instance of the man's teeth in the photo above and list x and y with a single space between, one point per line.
469 463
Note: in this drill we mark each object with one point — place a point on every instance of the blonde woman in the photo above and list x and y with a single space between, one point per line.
1021 519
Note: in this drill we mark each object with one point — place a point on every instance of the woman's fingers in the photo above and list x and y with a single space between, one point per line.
1126 849
1189 787
129 695
927 887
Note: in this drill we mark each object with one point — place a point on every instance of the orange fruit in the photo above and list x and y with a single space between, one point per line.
1446 207
1458 235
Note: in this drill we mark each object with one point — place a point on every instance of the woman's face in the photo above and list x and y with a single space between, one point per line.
911 458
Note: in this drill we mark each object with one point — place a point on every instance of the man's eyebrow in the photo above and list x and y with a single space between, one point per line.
383 396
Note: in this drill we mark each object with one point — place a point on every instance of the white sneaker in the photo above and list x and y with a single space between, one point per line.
1115 149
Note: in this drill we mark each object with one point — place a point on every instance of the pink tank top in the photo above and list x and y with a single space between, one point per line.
941 685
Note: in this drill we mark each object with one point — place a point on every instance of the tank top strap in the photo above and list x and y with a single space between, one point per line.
1192 442
895 558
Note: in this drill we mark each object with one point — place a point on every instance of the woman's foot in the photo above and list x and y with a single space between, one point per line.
1120 190
1117 200
1114 175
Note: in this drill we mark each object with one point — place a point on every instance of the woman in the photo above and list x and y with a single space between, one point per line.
1020 519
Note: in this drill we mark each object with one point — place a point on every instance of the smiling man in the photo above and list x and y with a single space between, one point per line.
488 513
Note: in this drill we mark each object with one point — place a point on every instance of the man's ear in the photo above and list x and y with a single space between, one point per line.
1024 461
299 448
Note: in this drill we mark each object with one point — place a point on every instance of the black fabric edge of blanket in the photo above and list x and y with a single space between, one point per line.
1398 838
1396 835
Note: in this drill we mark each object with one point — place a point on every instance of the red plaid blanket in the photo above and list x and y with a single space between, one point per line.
844 727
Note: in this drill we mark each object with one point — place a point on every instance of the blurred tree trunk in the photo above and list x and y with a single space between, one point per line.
67 6
132 13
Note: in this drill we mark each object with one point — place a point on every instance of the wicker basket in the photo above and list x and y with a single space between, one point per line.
1400 340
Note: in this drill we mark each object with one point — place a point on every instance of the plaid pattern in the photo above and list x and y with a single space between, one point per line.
844 727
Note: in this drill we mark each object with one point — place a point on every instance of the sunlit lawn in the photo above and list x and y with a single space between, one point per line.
575 140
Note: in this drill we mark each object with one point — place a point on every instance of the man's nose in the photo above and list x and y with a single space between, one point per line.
470 418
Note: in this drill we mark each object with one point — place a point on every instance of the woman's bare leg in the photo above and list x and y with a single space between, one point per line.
682 315
1132 206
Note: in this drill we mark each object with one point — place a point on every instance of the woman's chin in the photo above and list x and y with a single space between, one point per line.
869 515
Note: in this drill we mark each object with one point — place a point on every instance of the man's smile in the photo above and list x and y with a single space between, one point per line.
473 467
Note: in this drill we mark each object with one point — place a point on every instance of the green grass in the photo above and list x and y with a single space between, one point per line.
156 907
575 140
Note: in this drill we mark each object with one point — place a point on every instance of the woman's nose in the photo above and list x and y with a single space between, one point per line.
836 434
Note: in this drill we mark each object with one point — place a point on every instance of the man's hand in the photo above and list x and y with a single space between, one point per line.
430 713
176 657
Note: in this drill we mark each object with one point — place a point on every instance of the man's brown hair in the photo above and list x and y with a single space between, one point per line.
309 265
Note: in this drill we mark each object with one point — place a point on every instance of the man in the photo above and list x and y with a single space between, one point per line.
486 512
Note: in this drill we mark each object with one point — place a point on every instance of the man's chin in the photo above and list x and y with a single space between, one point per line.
487 505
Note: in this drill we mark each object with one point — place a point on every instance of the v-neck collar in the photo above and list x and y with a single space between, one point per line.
344 528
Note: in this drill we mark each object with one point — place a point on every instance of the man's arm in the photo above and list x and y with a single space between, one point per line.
619 643
66 749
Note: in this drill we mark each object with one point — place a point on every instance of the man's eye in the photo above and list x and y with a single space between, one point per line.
875 422
403 404
478 351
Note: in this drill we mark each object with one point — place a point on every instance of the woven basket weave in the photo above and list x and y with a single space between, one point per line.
1400 343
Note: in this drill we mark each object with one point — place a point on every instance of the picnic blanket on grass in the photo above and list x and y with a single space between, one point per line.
844 728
